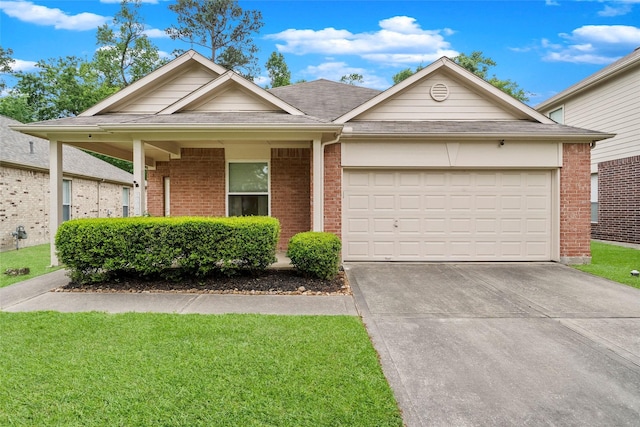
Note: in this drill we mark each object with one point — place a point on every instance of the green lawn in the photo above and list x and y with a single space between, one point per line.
614 263
36 258
96 369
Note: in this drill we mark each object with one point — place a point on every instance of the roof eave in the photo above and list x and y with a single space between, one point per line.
585 138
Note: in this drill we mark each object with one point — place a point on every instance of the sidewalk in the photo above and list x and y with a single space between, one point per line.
34 295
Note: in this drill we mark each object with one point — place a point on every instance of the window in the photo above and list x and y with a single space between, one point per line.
248 191
557 115
125 202
66 200
594 197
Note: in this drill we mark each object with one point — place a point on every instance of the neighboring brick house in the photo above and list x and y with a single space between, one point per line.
609 101
441 167
92 188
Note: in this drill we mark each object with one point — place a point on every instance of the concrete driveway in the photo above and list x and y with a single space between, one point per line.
503 344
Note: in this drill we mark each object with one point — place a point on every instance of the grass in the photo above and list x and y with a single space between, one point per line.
37 258
97 369
614 263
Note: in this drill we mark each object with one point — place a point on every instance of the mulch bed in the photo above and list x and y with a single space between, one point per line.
270 282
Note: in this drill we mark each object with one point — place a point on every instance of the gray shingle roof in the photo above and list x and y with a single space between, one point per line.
15 149
323 98
497 128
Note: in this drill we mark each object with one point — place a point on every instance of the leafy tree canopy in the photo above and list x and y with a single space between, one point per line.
352 78
5 64
278 70
224 28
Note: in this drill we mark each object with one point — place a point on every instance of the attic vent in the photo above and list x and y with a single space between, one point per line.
439 92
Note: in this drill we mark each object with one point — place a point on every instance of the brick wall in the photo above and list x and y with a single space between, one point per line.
575 204
290 191
155 188
618 201
25 201
333 189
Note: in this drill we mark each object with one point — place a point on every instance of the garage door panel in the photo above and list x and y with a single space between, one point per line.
447 215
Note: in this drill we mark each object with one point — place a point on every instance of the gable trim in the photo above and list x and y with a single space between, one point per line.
150 78
484 87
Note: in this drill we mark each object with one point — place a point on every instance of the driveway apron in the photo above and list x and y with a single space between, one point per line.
485 344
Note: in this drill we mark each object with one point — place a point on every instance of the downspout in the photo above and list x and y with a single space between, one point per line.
318 181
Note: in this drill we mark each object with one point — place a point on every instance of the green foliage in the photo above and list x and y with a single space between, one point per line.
316 254
352 79
6 62
405 74
222 27
96 250
119 163
278 70
182 370
36 258
613 262
126 55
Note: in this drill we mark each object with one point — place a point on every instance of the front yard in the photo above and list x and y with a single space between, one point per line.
614 263
95 369
36 258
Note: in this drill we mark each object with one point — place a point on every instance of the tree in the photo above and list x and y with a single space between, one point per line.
222 27
352 78
278 70
478 65
126 55
5 64
60 87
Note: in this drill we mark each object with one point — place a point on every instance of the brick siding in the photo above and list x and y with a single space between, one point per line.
333 189
26 198
575 204
618 201
290 191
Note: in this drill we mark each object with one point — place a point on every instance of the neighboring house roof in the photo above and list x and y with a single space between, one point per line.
323 98
605 74
15 149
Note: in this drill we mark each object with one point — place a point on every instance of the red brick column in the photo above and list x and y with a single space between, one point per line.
155 188
290 191
575 204
333 189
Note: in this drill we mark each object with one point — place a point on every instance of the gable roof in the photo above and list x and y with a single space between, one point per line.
324 99
607 73
485 90
16 150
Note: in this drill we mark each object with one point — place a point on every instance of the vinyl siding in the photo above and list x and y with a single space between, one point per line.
416 104
234 99
610 107
165 94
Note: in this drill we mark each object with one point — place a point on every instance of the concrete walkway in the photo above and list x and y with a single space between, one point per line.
503 344
35 295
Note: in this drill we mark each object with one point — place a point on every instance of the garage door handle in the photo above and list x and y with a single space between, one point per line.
395 223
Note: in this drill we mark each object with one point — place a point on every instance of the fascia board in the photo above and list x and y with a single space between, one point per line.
586 138
150 78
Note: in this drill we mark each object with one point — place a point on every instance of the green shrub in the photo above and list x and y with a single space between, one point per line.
99 249
315 254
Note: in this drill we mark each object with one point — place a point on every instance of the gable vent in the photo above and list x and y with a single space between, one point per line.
439 92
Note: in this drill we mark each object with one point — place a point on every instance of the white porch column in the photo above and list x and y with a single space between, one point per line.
139 191
318 186
55 194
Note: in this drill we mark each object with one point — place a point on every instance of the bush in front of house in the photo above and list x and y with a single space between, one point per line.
96 250
315 254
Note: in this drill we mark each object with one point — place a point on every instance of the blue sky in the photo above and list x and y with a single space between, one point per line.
545 46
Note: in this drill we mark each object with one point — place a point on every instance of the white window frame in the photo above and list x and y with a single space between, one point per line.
126 194
67 192
227 193
561 110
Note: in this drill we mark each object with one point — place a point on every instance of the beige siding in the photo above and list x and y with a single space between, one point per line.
168 92
234 99
416 103
611 107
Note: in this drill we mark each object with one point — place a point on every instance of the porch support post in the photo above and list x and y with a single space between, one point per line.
318 185
139 191
55 195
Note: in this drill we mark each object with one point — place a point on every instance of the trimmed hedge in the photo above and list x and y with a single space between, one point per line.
99 249
315 254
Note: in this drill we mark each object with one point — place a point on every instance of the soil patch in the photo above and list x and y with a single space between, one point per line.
269 282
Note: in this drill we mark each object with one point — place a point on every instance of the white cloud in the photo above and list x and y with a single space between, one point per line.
26 11
618 10
551 3
120 1
155 33
593 44
398 39
20 65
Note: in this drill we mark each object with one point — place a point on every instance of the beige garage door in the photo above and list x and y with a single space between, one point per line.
447 215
